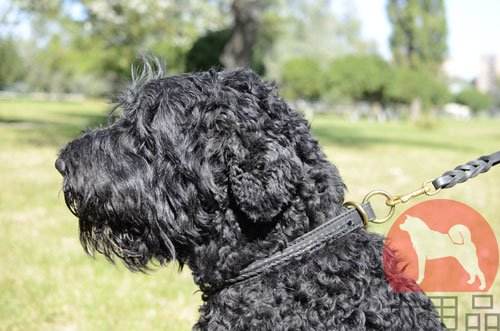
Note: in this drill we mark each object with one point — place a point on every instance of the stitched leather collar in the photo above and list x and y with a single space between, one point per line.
348 221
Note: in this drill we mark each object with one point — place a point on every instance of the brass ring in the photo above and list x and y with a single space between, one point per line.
358 207
389 198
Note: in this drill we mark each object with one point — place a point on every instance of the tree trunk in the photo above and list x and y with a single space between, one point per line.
239 49
415 109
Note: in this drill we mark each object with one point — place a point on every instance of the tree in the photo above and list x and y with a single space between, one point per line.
419 33
11 64
105 37
239 49
409 85
207 50
99 39
302 78
359 77
474 99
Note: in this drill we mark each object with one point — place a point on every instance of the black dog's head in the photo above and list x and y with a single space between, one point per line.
212 169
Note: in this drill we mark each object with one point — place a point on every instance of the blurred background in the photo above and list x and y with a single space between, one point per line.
396 90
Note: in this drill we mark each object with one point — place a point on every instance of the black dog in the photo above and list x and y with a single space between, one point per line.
213 169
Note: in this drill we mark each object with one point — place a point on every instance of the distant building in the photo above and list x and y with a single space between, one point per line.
489 73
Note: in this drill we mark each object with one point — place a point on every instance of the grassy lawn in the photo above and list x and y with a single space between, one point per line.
48 283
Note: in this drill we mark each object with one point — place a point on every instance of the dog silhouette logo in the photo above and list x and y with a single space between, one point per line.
456 243
445 246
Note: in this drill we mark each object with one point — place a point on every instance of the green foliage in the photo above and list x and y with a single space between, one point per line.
474 99
409 84
419 33
51 70
206 51
11 64
302 78
175 55
105 37
359 77
302 44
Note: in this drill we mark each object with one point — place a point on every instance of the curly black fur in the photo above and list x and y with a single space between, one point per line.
213 169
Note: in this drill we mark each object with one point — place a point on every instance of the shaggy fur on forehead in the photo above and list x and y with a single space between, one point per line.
214 170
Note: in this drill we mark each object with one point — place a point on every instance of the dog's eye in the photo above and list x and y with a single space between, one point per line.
259 166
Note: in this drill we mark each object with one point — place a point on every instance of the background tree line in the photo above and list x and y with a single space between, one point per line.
314 53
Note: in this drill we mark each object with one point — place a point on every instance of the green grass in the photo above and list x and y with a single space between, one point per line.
48 283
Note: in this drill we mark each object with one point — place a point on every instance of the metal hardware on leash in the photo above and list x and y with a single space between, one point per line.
360 209
392 201
426 189
449 179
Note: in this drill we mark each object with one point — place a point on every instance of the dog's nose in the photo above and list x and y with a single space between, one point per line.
60 166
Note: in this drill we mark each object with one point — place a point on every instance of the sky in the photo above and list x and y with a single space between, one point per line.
473 30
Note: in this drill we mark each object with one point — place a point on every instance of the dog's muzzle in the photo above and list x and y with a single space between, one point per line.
60 166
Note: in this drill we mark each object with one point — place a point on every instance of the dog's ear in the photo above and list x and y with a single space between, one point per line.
264 180
273 160
271 171
262 170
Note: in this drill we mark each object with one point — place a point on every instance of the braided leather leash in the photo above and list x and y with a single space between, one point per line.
359 215
469 170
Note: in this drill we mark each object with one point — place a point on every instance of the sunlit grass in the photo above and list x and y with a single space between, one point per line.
48 283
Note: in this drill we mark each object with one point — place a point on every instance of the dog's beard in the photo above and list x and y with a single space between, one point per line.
111 230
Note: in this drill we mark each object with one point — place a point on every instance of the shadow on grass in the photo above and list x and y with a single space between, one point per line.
48 133
62 126
91 120
22 123
349 137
